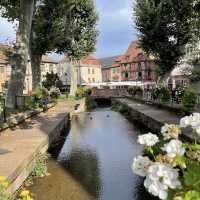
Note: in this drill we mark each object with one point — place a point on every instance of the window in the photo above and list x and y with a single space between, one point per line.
89 80
92 71
88 70
93 80
126 75
114 70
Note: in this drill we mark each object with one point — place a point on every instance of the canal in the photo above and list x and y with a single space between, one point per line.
95 161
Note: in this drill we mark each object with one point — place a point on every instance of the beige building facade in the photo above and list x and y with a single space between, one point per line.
47 65
88 71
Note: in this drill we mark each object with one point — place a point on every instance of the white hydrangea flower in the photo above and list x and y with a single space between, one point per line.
140 165
170 131
185 122
198 130
161 177
192 120
148 139
174 148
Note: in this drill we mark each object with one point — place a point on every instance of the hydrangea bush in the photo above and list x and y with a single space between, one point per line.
171 167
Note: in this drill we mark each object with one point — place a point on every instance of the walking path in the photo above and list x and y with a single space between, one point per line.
152 117
163 116
19 146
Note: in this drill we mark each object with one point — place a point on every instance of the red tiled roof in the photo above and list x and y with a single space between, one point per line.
89 60
133 53
118 59
115 65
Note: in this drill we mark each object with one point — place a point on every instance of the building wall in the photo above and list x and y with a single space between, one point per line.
47 67
90 74
141 70
5 73
106 74
86 73
115 74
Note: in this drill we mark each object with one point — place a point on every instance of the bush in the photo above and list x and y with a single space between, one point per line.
123 109
40 167
50 80
164 95
54 93
40 93
155 93
83 92
59 84
135 91
189 100
91 104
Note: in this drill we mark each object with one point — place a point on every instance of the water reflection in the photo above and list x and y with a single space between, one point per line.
95 161
83 166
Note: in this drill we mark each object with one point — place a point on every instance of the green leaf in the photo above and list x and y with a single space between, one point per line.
192 176
192 195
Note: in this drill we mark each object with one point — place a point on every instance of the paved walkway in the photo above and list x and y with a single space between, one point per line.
157 114
22 142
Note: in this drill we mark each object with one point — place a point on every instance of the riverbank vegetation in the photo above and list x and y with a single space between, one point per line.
170 165
39 169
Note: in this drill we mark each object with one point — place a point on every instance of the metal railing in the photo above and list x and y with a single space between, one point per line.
22 102
3 110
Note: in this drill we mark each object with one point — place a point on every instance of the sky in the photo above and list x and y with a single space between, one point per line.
115 25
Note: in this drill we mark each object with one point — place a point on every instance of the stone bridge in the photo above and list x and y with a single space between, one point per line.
109 93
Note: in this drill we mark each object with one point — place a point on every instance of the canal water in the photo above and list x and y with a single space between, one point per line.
95 161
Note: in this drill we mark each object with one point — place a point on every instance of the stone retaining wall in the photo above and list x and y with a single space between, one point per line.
143 120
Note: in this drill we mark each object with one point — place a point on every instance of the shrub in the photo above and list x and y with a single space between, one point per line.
40 167
164 95
180 91
135 91
50 80
189 100
54 93
83 92
91 104
40 92
155 93
59 84
123 109
37 93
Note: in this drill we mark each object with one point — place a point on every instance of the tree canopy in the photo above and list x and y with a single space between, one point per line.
165 27
81 28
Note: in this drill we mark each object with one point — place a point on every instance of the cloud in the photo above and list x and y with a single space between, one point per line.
116 27
7 31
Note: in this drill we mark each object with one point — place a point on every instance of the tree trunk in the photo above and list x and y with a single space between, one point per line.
73 86
19 58
36 71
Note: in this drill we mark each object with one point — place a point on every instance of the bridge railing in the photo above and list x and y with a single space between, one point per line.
109 92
